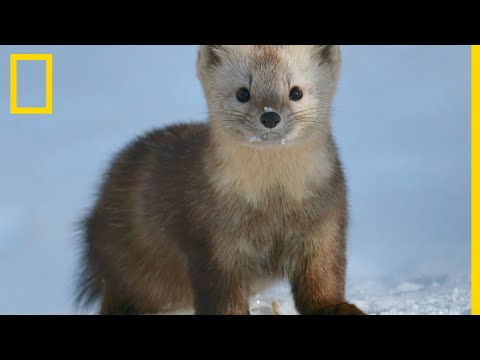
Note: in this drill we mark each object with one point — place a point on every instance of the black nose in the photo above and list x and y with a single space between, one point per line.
270 119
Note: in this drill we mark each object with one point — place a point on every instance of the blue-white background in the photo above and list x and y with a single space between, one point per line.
401 119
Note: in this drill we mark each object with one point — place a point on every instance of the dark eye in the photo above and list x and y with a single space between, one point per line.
243 95
296 94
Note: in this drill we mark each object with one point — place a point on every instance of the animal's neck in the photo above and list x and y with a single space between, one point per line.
253 173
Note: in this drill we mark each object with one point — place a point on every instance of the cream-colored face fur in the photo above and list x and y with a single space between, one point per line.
269 72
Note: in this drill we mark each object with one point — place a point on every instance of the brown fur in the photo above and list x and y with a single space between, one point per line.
198 215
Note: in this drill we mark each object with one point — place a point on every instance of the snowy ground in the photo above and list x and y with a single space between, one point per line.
436 296
401 120
425 296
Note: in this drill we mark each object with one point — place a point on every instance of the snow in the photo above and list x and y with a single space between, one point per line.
401 119
417 296
268 109
448 295
439 296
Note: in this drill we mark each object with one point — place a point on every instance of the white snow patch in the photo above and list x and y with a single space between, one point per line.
446 296
268 109
421 296
255 139
286 139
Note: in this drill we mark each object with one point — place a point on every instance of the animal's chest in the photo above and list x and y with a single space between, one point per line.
267 233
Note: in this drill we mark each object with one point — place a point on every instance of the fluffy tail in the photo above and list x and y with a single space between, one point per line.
88 286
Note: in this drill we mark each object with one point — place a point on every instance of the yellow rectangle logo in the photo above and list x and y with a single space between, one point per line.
14 109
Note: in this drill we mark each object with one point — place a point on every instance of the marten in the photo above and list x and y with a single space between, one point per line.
203 215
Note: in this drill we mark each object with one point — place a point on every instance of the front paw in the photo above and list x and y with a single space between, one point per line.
339 309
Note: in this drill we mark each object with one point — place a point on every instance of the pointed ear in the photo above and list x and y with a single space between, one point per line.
327 53
211 55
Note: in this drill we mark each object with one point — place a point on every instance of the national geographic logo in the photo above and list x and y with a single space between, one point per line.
48 108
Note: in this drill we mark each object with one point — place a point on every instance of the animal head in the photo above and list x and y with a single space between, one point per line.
269 95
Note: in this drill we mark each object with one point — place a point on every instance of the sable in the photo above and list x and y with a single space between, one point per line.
204 215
